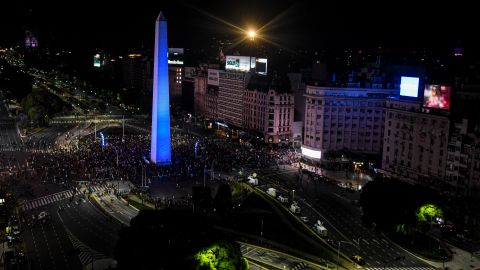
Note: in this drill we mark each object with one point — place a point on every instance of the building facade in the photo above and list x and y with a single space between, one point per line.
463 159
137 72
230 96
344 118
271 113
415 142
175 73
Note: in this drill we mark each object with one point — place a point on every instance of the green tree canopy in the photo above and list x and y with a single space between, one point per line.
428 212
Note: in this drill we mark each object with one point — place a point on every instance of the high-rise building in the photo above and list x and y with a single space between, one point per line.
415 142
137 71
344 118
230 95
175 72
160 138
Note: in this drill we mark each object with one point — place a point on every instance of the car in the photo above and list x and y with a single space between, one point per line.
42 215
304 219
358 259
16 230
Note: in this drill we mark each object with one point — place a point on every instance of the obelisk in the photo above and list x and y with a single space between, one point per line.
160 141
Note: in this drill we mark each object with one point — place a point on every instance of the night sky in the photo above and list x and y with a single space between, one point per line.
86 25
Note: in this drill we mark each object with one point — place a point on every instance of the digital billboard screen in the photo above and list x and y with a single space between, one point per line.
238 63
317 154
409 86
261 66
437 96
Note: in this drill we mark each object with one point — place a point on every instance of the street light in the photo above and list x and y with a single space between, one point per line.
293 195
338 250
251 34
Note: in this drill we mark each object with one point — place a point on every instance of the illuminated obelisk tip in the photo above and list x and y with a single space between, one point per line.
160 145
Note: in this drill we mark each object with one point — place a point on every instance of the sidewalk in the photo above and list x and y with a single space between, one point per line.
461 260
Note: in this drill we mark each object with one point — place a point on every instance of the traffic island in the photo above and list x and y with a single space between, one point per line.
139 205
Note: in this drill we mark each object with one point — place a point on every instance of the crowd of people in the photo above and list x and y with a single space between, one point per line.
127 158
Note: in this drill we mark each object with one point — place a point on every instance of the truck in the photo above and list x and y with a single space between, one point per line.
295 208
320 229
272 192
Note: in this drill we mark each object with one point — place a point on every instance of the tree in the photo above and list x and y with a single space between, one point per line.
390 203
426 214
221 255
175 239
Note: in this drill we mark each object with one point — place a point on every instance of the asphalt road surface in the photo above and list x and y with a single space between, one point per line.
332 205
70 238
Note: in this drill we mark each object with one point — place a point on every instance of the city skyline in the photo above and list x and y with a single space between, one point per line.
291 24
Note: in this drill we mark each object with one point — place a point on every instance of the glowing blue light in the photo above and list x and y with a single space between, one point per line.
160 144
103 139
196 148
409 86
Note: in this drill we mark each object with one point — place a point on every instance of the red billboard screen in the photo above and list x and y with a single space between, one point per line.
437 96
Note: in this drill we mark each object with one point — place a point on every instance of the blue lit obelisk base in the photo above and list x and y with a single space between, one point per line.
160 148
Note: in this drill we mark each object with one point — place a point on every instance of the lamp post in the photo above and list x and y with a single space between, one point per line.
123 128
293 195
261 228
338 250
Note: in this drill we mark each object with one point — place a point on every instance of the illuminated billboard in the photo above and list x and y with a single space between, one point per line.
437 96
175 56
316 154
409 86
238 63
261 66
213 77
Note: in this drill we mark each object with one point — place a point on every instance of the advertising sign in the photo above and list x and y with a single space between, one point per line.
437 96
409 86
261 66
213 77
238 63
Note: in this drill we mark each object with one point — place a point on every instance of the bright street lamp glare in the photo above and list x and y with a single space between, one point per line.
251 34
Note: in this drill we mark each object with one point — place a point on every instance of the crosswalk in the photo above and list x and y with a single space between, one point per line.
46 200
85 253
401 268
299 266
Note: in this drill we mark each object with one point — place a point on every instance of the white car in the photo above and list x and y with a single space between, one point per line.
42 215
304 219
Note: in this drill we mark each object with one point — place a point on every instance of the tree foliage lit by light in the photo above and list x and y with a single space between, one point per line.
428 212
220 256
401 228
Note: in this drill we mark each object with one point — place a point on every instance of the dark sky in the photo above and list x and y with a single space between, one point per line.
294 24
